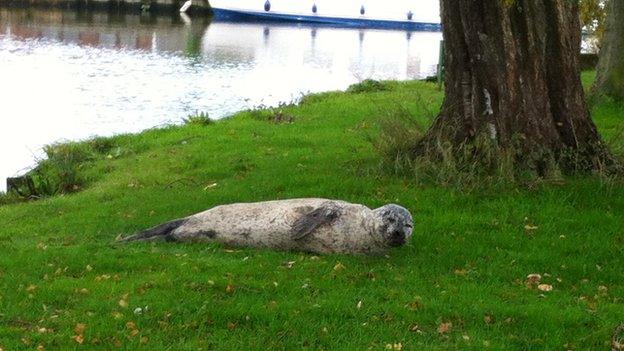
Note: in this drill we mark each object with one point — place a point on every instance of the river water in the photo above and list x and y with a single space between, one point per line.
67 75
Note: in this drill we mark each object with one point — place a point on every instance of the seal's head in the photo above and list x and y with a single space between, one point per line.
395 224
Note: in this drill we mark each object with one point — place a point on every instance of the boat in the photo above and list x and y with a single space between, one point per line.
415 15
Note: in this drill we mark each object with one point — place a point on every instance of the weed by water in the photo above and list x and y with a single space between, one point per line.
368 86
7 198
61 171
200 119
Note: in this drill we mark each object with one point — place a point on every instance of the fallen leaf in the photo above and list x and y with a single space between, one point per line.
31 288
89 268
534 278
529 227
210 186
396 346
545 287
78 338
339 267
144 340
230 289
123 303
359 305
80 328
414 305
415 328
231 326
99 278
445 328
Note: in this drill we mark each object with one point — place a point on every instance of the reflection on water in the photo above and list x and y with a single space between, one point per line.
70 75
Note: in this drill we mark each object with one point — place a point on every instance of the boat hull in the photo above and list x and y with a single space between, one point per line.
228 14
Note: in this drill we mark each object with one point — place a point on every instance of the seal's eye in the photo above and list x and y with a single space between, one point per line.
409 225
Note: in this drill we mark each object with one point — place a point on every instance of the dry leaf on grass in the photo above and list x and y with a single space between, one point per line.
395 346
80 328
545 287
445 328
78 338
339 267
534 278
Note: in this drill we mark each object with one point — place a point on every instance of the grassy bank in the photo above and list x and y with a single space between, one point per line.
461 284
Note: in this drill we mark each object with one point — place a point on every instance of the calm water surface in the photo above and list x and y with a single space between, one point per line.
67 75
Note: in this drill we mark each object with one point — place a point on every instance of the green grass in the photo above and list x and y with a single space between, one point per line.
467 264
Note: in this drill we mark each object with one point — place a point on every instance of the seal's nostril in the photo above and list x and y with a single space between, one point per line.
397 238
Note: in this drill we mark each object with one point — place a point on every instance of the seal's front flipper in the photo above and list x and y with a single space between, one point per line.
309 222
163 231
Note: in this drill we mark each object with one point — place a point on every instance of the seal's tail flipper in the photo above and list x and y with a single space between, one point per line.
163 231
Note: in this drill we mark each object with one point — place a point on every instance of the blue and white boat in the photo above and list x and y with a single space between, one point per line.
417 15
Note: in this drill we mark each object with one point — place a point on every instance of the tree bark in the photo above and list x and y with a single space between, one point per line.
610 78
512 80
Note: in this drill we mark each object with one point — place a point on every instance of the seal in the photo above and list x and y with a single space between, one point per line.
312 225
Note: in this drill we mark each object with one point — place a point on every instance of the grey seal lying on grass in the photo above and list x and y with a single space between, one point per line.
312 225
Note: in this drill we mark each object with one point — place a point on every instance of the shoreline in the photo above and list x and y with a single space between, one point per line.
23 179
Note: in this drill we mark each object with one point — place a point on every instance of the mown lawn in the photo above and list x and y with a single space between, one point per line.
460 284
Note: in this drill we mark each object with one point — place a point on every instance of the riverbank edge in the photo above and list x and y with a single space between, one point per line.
68 157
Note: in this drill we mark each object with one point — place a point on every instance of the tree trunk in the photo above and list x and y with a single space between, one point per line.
512 82
610 78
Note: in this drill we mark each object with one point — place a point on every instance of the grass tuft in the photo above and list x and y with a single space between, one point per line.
199 119
368 86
